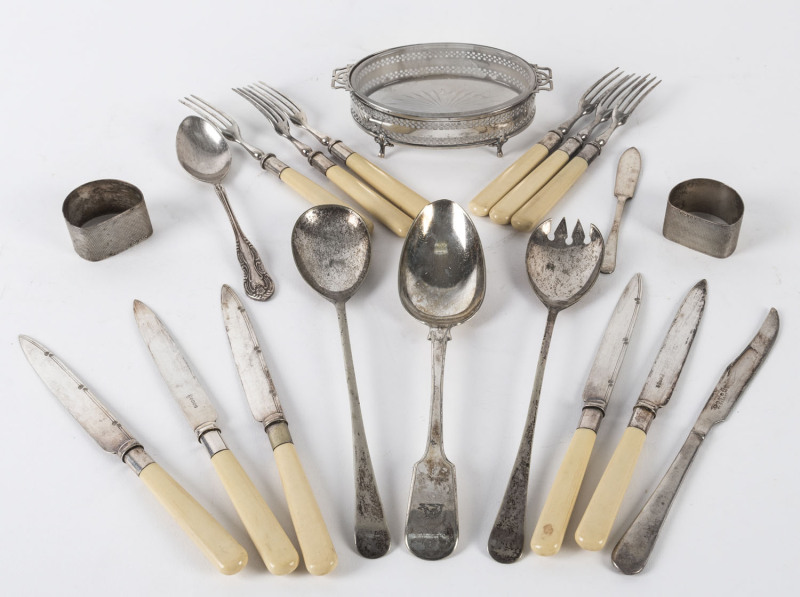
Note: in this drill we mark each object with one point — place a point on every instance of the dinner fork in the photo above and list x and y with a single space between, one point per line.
495 190
542 202
504 209
384 211
395 191
229 129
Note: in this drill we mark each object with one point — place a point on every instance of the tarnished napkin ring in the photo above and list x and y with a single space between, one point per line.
692 199
105 217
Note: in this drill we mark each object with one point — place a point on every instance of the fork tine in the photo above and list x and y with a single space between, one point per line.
634 100
201 111
258 103
278 96
619 93
594 91
561 231
224 118
578 235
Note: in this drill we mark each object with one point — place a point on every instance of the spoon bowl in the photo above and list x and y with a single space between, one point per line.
202 150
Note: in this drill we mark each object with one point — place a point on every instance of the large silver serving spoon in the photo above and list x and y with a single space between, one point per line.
442 282
204 153
331 249
560 273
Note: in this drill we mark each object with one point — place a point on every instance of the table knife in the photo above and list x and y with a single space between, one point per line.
633 550
628 170
552 525
595 526
312 533
268 536
215 542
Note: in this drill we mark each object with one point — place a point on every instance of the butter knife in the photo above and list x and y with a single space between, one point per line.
268 536
312 533
552 525
628 169
215 542
633 550
595 526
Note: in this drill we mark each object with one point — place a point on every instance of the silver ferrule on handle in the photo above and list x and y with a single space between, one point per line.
278 433
272 164
642 417
591 417
340 151
135 457
590 152
551 140
571 146
211 438
321 162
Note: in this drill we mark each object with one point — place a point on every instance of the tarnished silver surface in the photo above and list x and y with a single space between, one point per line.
671 357
442 282
105 217
82 404
633 550
443 94
704 215
560 275
332 249
628 169
613 346
256 380
182 382
204 153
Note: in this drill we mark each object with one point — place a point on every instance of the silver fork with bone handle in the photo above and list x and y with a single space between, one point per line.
407 200
229 129
384 211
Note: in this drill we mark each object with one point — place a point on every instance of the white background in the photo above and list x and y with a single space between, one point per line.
90 91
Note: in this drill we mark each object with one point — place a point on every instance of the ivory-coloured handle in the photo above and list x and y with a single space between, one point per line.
315 194
548 535
268 536
312 533
534 211
528 187
395 191
595 526
215 542
495 190
383 211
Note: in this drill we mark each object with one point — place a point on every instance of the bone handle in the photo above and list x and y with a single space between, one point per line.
217 545
383 211
394 190
315 194
595 526
495 190
312 533
268 536
548 535
534 211
528 187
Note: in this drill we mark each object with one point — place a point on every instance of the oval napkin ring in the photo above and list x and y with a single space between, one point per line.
687 220
105 217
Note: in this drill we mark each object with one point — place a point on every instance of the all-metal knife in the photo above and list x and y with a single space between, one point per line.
214 541
595 526
268 536
312 533
633 550
628 170
549 532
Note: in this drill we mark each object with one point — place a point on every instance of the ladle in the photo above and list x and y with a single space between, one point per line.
204 153
442 282
331 249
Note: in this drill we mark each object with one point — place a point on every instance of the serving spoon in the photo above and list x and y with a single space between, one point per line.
442 282
331 248
204 153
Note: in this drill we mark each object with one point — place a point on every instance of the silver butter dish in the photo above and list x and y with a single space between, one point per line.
443 95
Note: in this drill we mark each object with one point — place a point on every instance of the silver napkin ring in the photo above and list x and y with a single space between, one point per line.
105 217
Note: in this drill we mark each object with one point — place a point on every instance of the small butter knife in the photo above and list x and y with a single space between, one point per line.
630 165
633 550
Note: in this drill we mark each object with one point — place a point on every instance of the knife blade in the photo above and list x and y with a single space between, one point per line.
268 536
312 533
213 540
628 170
633 550
595 526
548 535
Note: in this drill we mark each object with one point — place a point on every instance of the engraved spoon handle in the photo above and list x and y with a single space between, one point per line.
257 283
